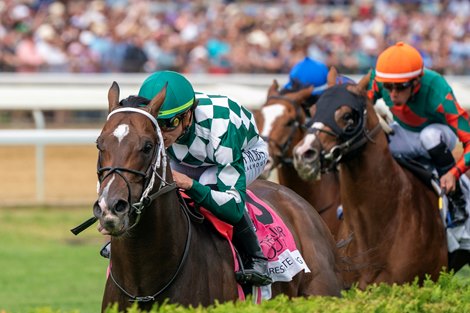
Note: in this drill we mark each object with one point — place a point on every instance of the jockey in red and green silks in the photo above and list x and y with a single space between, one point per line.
428 120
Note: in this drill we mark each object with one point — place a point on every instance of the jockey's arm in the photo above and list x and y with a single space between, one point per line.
226 200
460 124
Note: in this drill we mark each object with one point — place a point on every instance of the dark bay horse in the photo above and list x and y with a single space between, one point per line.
281 122
163 250
392 230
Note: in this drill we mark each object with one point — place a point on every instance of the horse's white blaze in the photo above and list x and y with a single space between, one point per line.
308 140
104 194
270 114
121 131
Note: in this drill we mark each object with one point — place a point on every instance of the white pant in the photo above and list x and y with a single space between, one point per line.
416 144
254 160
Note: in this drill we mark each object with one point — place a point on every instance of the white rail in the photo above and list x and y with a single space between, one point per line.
78 92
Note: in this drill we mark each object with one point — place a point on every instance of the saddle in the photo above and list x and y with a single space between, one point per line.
458 238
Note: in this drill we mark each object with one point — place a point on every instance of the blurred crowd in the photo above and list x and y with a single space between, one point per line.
209 36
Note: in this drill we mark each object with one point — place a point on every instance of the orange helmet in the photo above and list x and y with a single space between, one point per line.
399 63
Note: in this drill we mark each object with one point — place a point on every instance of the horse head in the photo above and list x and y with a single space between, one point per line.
131 160
281 123
338 130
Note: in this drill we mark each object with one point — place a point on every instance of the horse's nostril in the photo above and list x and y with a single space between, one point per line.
97 209
310 155
121 206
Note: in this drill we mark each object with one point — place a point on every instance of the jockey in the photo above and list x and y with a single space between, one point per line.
215 151
310 72
428 120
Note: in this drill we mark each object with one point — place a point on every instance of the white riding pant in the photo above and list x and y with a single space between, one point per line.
416 144
254 160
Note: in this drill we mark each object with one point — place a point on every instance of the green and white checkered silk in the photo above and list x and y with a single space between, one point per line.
221 130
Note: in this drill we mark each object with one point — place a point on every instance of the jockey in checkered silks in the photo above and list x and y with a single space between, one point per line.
215 151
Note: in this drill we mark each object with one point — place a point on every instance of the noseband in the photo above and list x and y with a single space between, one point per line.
295 125
348 148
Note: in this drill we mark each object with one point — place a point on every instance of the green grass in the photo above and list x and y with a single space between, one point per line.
42 264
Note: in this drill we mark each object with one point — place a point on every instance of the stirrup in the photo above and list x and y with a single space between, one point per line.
105 252
253 277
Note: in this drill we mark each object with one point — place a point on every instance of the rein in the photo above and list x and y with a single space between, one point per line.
295 125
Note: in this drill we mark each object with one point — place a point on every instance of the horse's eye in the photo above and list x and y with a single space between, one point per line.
347 117
98 146
148 146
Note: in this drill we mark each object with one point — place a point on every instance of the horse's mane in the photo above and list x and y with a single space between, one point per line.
134 102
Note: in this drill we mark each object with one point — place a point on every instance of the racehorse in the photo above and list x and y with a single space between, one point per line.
281 122
392 230
161 249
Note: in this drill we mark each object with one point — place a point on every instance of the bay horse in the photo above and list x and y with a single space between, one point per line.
162 249
392 230
282 123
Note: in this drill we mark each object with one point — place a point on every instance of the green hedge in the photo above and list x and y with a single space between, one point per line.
449 294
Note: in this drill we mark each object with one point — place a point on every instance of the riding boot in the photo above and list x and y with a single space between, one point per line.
444 161
255 264
442 158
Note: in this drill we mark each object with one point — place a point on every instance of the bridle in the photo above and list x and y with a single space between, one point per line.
344 150
159 160
296 125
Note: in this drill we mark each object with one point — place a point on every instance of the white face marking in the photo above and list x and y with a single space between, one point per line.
270 114
104 194
308 140
121 131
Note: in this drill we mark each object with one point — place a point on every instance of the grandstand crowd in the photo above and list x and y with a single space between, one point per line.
227 36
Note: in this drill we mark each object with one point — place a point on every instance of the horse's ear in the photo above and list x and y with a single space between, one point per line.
364 82
113 97
312 110
303 94
155 104
332 75
273 89
361 88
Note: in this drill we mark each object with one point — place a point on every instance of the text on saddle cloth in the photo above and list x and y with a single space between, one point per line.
277 242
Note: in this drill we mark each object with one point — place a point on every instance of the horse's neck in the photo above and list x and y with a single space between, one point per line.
321 194
367 183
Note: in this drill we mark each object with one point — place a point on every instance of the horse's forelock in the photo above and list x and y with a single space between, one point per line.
134 102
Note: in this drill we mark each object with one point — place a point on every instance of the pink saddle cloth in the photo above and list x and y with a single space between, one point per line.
277 242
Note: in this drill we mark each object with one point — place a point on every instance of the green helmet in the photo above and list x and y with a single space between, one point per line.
179 94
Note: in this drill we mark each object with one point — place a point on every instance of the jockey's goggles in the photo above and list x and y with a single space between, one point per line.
169 124
398 86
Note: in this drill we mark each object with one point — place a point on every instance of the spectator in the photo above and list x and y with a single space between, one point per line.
249 37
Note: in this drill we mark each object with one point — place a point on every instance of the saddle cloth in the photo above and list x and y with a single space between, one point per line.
277 242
